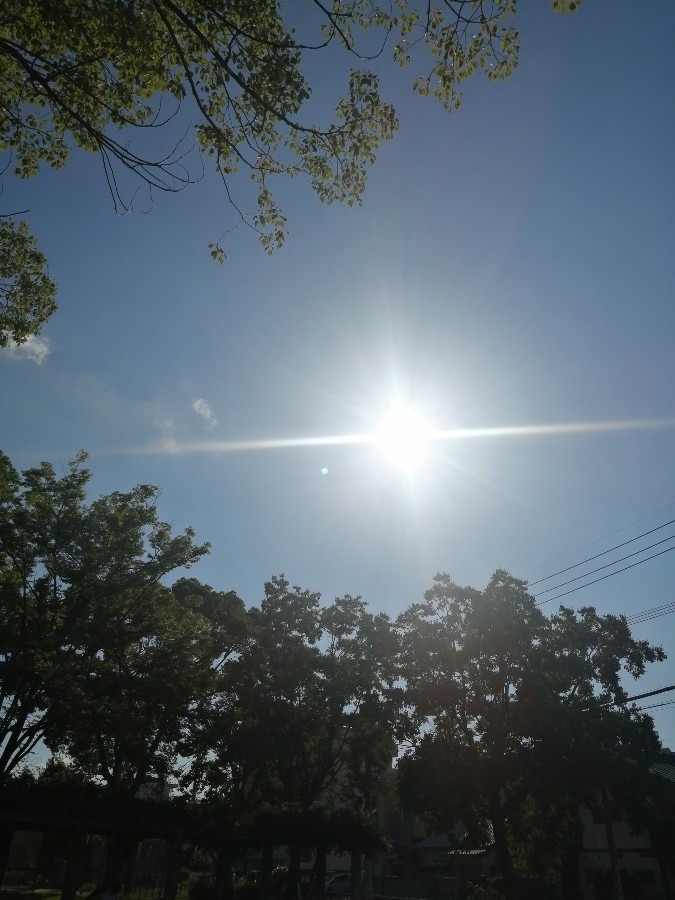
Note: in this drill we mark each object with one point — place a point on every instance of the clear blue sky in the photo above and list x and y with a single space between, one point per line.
512 264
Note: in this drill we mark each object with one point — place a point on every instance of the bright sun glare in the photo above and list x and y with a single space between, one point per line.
405 437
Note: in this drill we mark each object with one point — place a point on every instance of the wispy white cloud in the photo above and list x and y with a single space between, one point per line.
167 441
35 348
202 408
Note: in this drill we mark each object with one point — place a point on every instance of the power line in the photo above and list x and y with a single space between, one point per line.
654 613
654 693
666 612
603 577
655 705
606 566
636 618
604 553
663 690
599 540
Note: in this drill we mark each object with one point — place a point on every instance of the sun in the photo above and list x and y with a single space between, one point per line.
405 437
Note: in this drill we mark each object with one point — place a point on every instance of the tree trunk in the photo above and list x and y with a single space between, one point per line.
120 850
617 890
173 861
320 873
356 874
368 866
6 835
75 867
503 853
266 875
665 877
293 882
572 888
224 889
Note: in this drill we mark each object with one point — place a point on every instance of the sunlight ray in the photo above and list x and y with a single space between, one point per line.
557 428
176 446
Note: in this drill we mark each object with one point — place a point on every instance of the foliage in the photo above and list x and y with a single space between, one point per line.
131 703
315 679
246 890
71 72
27 293
314 701
331 701
566 6
87 74
483 892
76 578
202 888
512 718
56 771
537 838
512 705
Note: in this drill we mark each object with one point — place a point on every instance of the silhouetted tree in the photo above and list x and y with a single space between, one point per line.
279 732
512 706
76 579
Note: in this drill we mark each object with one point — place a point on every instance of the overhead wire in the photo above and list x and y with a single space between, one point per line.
603 577
662 690
604 538
654 613
636 618
656 705
604 553
607 565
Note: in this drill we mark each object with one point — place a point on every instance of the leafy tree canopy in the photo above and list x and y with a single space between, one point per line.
79 582
77 74
513 707
311 675
27 293
129 705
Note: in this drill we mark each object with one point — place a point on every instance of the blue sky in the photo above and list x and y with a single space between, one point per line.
512 265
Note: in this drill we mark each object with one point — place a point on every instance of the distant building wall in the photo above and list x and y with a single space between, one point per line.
640 870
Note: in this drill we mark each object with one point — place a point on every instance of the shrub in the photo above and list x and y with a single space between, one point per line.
483 892
202 888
